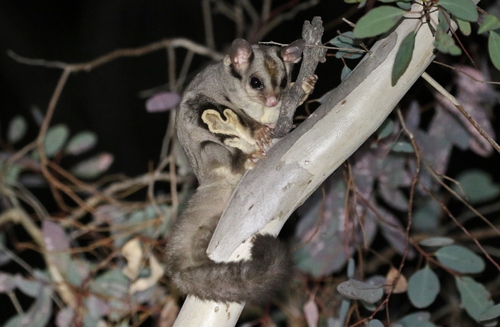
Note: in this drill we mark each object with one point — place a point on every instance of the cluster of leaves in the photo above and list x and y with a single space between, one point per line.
384 18
94 273
372 195
423 286
57 143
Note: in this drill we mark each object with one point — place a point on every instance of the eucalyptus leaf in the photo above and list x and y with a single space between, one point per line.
55 139
463 26
417 319
385 129
463 9
357 290
375 323
7 282
377 21
445 43
17 129
402 147
489 23
81 142
494 48
437 241
92 167
423 288
491 313
460 259
477 185
405 5
403 57
346 71
474 296
38 314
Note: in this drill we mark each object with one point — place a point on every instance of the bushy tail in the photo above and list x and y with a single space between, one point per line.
256 279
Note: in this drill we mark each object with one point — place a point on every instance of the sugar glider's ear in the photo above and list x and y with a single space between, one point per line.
293 52
239 55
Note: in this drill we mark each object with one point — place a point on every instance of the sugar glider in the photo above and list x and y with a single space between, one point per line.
224 124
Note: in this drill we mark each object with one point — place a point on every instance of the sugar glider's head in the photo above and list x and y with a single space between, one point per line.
261 74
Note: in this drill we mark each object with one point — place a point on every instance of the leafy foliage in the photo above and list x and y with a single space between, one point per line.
383 18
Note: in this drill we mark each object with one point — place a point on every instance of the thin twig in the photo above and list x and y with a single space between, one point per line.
460 108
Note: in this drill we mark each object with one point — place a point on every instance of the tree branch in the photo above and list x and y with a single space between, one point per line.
311 33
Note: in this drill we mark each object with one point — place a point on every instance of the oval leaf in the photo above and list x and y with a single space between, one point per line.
17 129
162 101
375 323
55 139
460 259
475 298
354 289
378 21
93 167
489 23
494 49
463 9
403 57
402 147
478 186
423 288
491 313
437 241
463 26
81 143
417 319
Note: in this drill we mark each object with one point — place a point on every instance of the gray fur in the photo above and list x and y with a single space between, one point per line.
219 158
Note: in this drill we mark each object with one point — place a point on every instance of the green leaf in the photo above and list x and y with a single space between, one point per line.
437 241
17 129
426 216
55 139
460 259
475 298
385 129
491 313
423 288
463 26
463 9
92 167
343 39
445 43
375 323
38 315
357 290
490 23
417 319
346 71
494 49
402 147
347 42
378 21
477 185
403 57
81 143
405 5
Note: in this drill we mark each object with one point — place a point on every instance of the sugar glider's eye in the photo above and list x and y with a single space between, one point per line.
284 82
256 83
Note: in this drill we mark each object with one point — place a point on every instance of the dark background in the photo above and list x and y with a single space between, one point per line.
106 100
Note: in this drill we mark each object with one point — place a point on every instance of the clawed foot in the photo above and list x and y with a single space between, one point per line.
262 136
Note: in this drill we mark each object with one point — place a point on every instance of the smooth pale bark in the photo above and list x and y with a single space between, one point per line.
300 162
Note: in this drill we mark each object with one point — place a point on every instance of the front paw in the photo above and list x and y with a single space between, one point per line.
262 136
